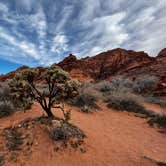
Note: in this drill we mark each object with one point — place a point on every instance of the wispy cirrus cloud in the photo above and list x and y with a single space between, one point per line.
43 32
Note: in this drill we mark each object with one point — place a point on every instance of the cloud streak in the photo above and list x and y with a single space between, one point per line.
44 32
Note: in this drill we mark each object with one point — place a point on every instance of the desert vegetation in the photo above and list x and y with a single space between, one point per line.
58 86
161 164
2 160
57 90
64 132
159 120
22 91
10 103
13 139
87 98
120 93
6 104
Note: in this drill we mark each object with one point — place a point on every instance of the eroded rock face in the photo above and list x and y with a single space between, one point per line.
107 65
11 74
162 53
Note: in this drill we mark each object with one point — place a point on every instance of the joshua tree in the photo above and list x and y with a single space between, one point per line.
56 87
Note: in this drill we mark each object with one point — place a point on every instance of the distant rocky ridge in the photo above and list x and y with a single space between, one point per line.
107 65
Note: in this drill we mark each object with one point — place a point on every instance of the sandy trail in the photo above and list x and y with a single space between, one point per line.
113 139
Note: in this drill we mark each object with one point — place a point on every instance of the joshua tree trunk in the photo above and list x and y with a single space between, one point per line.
49 113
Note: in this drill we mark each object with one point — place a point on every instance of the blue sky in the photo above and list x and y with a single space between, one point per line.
42 32
6 66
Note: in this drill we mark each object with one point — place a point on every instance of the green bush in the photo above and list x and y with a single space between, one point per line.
140 85
2 160
6 108
103 86
159 120
13 139
57 88
87 98
65 132
10 103
145 84
125 94
157 100
85 102
127 104
161 164
6 104
120 93
117 84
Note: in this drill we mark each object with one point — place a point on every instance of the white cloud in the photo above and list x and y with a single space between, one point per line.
23 46
44 31
25 5
59 44
66 12
140 27
104 33
3 8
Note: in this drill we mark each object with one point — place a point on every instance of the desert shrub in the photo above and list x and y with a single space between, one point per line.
140 85
123 93
4 92
6 108
128 102
159 120
156 100
87 98
65 132
13 139
115 85
13 100
59 86
161 164
2 160
120 93
103 86
119 85
145 84
117 88
24 104
43 88
85 102
6 105
19 94
120 82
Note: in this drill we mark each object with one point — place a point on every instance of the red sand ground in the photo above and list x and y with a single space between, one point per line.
113 139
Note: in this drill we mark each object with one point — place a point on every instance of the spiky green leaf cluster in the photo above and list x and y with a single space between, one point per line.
56 87
20 88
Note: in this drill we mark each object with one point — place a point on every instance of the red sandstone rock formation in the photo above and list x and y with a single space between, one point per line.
107 65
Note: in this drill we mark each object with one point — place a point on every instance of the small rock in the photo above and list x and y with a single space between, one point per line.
28 127
56 149
36 143
83 150
19 125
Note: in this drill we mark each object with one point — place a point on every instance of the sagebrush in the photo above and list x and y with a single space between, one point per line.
6 104
87 98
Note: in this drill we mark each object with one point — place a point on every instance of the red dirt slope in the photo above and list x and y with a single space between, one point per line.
113 139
